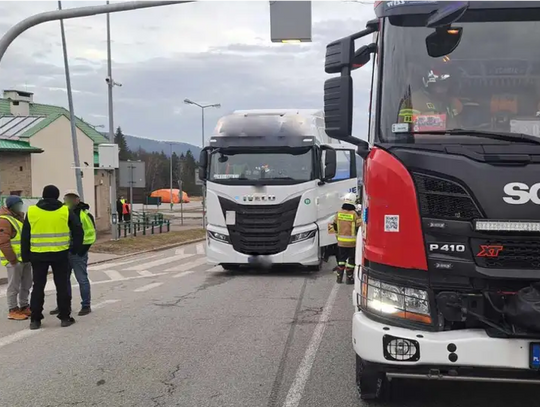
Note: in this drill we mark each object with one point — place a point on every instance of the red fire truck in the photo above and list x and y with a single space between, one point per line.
448 282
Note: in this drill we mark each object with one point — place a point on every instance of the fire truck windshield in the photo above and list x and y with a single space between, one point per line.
489 82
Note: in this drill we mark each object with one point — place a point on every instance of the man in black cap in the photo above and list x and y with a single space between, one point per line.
50 231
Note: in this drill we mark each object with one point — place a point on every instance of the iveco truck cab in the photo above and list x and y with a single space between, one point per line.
448 277
273 179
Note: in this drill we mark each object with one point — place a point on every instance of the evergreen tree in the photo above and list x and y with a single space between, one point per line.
123 150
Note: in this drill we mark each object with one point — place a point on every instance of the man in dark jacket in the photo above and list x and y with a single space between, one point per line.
50 232
79 261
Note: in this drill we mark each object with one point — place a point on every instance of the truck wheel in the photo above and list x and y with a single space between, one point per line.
371 383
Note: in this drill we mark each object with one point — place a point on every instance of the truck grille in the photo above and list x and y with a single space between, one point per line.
261 229
443 199
507 253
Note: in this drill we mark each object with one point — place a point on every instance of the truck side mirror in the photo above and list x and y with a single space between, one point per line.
363 55
339 55
330 164
338 107
203 165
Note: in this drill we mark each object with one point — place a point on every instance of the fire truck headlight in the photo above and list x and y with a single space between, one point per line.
395 301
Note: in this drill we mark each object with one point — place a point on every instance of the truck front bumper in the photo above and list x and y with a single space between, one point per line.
305 253
442 355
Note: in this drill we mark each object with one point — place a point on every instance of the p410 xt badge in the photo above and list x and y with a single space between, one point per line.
446 248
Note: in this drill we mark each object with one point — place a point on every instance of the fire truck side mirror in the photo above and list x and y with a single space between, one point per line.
203 164
443 41
363 55
338 107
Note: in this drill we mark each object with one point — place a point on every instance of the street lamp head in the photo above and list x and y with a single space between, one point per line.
217 105
187 101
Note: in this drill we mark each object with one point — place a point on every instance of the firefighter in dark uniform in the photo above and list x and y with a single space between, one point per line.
345 225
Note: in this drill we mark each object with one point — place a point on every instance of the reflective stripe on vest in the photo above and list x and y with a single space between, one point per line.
49 229
88 228
347 221
16 241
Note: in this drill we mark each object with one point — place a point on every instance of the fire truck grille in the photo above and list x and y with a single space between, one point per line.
261 229
507 254
444 199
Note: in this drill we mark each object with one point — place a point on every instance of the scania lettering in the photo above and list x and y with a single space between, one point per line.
274 179
448 259
520 193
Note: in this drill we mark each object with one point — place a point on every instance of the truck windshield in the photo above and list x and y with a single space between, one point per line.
262 166
490 82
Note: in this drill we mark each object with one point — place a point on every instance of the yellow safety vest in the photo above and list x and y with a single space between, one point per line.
16 241
88 228
49 229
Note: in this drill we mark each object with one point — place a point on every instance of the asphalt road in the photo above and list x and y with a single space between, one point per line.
168 330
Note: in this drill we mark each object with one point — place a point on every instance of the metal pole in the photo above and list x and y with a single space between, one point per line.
171 180
181 189
40 18
74 141
130 206
110 84
203 187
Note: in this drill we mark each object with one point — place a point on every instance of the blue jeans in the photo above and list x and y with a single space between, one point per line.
79 265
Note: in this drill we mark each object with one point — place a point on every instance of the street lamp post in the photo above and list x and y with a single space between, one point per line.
74 141
203 107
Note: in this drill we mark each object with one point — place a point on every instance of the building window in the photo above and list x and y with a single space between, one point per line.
16 193
20 168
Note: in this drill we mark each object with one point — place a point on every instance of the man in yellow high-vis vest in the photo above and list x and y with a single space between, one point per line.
79 261
50 232
345 225
19 273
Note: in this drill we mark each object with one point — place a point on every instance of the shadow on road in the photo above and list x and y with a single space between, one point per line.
409 393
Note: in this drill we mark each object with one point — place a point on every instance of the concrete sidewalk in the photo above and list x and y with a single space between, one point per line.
92 258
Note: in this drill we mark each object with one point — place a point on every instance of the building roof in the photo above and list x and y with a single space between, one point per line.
14 126
16 146
49 114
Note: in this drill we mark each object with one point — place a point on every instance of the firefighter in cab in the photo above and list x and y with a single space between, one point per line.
345 225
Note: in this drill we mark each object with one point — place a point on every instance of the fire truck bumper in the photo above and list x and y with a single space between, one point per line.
450 355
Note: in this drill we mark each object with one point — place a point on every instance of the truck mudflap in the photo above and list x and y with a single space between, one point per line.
468 354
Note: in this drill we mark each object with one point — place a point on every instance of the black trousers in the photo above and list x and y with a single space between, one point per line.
346 258
61 269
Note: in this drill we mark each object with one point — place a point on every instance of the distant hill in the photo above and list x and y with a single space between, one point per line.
157 146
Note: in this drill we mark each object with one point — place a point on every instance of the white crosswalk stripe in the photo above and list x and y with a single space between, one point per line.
184 273
200 249
107 265
113 274
145 266
147 287
188 266
145 273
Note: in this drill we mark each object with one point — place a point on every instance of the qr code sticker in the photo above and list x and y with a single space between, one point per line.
391 223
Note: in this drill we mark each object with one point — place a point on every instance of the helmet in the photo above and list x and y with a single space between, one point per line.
440 73
349 198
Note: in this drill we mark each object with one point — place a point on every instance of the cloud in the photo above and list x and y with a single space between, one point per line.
210 52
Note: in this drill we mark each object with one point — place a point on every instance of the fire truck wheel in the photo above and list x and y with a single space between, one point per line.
370 382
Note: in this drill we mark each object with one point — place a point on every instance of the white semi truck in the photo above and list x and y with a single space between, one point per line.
273 180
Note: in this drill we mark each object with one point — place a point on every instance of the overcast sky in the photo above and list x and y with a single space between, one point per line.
210 52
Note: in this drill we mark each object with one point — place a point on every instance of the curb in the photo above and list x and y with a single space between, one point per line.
3 280
159 249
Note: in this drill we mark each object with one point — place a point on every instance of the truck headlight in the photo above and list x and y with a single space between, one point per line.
395 301
220 237
300 237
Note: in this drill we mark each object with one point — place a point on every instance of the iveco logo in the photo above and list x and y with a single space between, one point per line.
259 198
519 193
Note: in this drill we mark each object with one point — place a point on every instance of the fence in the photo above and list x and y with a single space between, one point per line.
144 227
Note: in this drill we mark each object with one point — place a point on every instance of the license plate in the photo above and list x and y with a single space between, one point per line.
534 361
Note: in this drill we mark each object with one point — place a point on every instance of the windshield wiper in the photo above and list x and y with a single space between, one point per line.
495 135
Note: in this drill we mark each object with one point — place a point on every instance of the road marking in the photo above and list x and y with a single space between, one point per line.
145 273
185 273
102 304
113 275
215 268
159 262
17 336
107 265
50 284
200 249
302 374
180 251
147 287
187 266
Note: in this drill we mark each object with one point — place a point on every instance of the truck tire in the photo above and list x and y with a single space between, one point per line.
370 382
